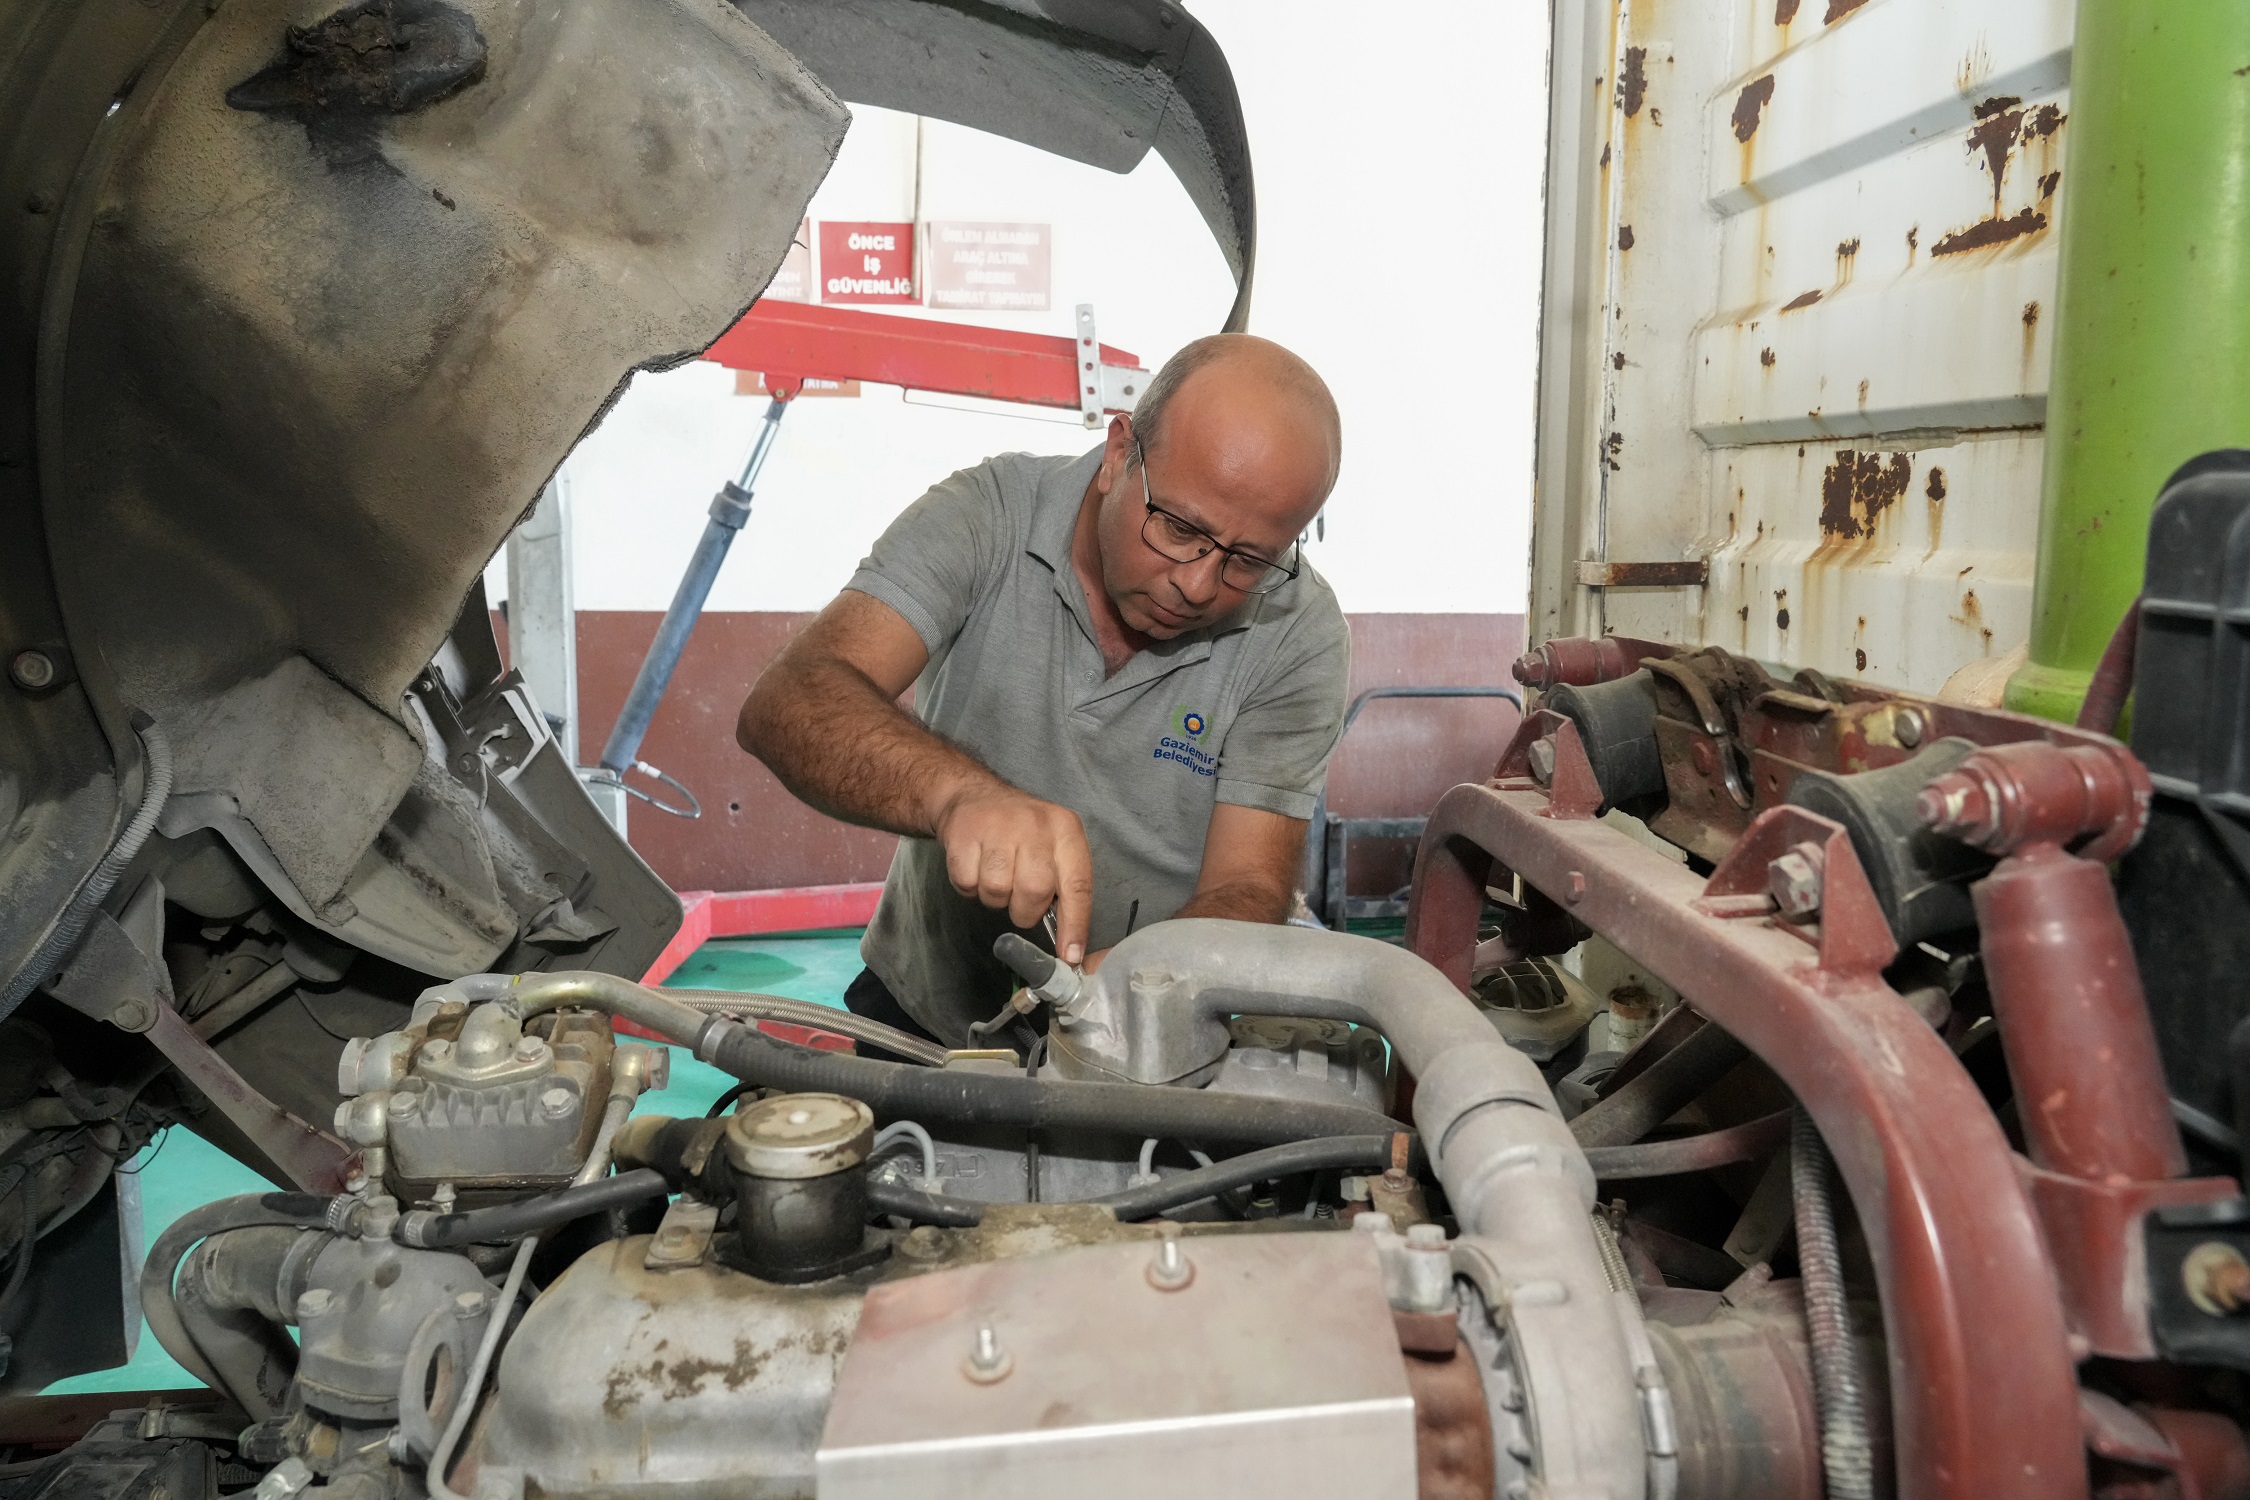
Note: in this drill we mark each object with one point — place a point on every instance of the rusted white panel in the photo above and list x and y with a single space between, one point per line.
1819 268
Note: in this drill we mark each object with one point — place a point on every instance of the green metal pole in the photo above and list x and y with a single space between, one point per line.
2152 338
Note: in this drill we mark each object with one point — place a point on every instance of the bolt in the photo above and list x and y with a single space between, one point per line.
1908 726
1171 1270
356 1183
405 1102
315 1304
32 670
1794 880
470 1305
988 1361
557 1102
1541 758
438 1048
2217 1278
1531 670
923 1242
528 1047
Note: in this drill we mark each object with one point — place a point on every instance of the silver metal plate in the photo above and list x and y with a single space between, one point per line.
1274 1371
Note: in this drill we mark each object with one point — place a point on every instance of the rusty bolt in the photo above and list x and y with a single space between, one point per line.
2217 1278
1706 759
32 670
1794 880
1908 726
1541 758
1531 669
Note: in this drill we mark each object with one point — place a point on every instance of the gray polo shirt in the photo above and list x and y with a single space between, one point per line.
1245 712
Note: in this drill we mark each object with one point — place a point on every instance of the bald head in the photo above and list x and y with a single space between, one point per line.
1250 377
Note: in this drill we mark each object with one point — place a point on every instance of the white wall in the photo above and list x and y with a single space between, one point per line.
1398 167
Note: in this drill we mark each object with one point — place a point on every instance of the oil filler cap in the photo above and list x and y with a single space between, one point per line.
797 1136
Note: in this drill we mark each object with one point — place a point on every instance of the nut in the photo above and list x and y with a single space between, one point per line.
2217 1278
1794 880
1541 758
32 670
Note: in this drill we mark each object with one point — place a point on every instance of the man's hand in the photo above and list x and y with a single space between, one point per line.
1014 852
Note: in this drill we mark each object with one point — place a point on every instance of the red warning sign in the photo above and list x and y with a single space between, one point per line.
867 262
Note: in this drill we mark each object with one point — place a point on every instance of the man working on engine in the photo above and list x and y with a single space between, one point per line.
1128 683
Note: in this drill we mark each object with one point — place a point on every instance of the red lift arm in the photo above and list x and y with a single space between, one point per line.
791 342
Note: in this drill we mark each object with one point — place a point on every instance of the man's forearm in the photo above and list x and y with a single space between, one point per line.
828 732
1241 901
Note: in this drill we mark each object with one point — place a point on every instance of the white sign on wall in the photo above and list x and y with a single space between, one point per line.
991 267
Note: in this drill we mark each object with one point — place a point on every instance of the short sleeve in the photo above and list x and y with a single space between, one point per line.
1275 756
934 561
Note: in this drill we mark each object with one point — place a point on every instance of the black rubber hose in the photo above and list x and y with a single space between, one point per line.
250 1211
1332 1153
1695 1153
934 1096
1671 1084
424 1230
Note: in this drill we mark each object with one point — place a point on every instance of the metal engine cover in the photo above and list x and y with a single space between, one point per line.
701 1381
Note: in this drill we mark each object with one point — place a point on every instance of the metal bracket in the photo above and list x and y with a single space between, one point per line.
683 1240
1089 368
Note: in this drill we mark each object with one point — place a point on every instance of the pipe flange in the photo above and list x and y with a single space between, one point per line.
793 1137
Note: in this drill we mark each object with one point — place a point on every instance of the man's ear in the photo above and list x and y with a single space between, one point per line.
1115 455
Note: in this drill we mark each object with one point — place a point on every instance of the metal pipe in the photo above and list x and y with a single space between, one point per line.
2151 359
2067 998
730 508
1518 1182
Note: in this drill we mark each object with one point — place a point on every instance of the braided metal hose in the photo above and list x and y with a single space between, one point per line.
1847 1456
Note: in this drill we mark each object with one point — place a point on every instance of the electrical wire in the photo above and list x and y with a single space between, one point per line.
907 1130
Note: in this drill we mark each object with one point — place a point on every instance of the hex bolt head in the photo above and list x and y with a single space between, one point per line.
1170 1270
471 1305
529 1047
556 1102
406 1102
32 670
1541 758
1425 1237
1794 880
988 1360
316 1303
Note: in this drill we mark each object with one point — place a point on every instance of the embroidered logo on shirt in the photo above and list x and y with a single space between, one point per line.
1182 745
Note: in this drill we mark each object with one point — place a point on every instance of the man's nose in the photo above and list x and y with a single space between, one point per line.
1199 582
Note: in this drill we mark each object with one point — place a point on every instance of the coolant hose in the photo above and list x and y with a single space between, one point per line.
423 1229
933 1096
156 787
1846 1453
1336 1152
250 1211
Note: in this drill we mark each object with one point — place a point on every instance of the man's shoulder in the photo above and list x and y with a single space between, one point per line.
1304 609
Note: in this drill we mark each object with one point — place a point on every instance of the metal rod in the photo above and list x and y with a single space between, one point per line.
730 508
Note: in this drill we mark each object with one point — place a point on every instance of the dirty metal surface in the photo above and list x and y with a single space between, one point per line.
1801 274
698 1380
1982 1377
1273 1371
310 1158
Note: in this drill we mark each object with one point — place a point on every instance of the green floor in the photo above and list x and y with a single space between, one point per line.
180 1171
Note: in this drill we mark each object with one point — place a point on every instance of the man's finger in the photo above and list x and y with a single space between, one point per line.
1074 893
963 861
1035 885
996 875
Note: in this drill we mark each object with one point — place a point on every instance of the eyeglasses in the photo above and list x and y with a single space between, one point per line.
1185 542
